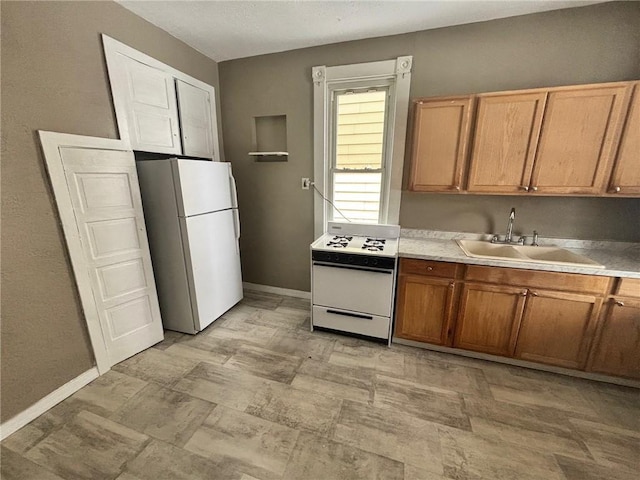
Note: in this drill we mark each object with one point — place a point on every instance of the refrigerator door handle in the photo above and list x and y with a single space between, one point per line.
236 227
234 192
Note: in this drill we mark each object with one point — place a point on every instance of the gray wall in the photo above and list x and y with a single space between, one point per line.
54 78
599 43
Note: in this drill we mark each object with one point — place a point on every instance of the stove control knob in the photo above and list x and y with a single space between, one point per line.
374 262
365 261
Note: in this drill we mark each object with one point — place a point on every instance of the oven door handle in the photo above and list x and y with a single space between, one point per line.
351 267
356 315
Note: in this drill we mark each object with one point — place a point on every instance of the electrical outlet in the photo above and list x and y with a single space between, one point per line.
305 183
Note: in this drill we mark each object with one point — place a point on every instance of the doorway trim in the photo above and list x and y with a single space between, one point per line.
52 143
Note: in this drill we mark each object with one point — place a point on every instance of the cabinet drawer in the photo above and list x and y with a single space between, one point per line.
628 287
429 267
568 282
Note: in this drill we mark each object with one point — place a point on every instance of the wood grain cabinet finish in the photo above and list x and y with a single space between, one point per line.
425 309
441 129
580 131
506 135
557 328
489 318
625 179
616 349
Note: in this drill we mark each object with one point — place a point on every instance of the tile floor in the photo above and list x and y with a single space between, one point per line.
257 396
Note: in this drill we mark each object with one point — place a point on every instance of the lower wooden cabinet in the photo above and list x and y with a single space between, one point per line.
557 328
425 309
489 318
616 349
545 317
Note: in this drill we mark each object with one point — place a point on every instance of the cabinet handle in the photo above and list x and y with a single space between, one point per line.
429 269
534 294
524 293
458 187
524 187
452 284
616 189
619 303
535 189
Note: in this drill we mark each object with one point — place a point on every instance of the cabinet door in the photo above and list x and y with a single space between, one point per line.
196 123
489 318
616 350
580 130
506 135
440 144
557 328
626 174
151 107
424 309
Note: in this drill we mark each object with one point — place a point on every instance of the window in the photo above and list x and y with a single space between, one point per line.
357 158
360 114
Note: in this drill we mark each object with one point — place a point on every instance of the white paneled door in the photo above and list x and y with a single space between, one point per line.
103 188
152 105
195 120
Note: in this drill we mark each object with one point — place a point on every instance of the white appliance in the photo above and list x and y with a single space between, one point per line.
191 213
353 278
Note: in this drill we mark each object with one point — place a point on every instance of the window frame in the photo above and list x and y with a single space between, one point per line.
326 80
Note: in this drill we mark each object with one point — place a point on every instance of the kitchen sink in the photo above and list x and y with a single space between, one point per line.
522 253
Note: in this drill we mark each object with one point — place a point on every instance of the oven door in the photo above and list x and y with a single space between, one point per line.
353 288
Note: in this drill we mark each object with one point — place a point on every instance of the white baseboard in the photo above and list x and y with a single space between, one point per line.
34 411
277 290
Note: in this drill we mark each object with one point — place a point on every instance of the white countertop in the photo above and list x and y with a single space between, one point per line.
620 259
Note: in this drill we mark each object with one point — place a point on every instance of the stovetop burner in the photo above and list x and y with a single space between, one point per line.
374 244
339 241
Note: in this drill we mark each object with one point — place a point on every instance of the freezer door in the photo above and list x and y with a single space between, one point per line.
213 262
203 186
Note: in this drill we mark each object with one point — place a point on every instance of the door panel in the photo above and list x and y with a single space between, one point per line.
506 135
489 318
626 174
576 147
440 141
214 263
195 120
204 186
103 187
153 108
424 308
616 350
557 328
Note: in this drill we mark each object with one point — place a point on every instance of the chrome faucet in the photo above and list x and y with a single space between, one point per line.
512 216
508 238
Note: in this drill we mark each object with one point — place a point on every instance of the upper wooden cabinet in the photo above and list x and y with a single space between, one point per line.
504 146
579 136
440 142
626 172
160 109
553 141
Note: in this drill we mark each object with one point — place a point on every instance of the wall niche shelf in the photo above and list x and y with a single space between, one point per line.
269 154
269 140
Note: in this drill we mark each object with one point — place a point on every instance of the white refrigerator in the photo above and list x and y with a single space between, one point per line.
191 214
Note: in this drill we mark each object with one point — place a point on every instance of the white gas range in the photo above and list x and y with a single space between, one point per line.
353 277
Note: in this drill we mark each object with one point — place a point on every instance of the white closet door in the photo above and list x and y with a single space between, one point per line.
195 120
152 107
104 192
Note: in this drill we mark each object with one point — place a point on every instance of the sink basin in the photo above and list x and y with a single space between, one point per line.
521 253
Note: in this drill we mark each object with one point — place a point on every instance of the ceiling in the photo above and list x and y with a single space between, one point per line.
224 30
